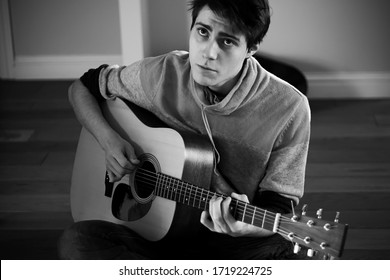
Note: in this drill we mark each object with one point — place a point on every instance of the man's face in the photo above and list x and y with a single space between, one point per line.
217 52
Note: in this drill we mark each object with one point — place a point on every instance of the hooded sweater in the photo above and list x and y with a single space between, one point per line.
260 131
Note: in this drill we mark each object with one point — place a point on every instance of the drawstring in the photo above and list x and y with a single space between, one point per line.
217 157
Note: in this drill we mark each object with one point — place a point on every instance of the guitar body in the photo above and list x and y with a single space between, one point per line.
132 203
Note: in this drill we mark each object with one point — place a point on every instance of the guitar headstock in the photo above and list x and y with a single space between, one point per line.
325 237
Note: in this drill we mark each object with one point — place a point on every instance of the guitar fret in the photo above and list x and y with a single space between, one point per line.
243 214
189 196
173 190
157 184
181 194
195 193
175 193
200 198
165 190
254 214
160 185
206 200
185 195
171 187
170 190
235 209
265 213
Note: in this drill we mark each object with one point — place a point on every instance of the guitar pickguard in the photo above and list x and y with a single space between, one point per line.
125 207
132 202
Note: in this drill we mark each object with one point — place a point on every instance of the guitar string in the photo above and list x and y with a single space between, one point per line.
152 178
197 196
174 181
248 209
256 218
241 207
280 229
241 204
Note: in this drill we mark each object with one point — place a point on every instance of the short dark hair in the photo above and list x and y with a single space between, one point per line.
251 17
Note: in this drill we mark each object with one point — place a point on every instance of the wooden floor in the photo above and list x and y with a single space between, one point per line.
348 169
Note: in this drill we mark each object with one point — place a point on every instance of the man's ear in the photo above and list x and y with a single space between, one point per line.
252 50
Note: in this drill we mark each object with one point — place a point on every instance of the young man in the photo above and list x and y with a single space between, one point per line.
258 125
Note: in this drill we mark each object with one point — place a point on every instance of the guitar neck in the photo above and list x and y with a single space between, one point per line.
174 189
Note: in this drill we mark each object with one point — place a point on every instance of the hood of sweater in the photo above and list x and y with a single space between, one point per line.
252 81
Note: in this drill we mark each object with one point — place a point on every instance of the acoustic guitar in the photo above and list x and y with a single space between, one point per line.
172 178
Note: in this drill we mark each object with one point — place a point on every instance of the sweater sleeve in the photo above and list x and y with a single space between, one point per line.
124 82
286 168
90 80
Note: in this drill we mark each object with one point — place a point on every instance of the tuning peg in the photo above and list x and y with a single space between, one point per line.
297 248
336 219
310 253
319 213
304 210
323 245
327 226
294 218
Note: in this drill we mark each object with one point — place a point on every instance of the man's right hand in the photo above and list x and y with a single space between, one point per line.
120 157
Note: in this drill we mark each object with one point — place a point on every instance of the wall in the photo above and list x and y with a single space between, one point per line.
168 26
342 46
60 39
72 27
55 38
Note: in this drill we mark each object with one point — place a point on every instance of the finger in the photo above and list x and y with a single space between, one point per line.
227 216
117 170
114 166
217 215
215 208
131 156
121 162
205 220
112 177
241 197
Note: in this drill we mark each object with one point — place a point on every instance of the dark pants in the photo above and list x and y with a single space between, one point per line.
105 240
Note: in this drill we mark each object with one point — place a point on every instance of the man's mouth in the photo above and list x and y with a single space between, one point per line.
206 68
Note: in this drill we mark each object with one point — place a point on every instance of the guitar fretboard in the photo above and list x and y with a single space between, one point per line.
171 188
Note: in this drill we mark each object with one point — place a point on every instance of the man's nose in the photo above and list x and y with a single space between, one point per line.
211 50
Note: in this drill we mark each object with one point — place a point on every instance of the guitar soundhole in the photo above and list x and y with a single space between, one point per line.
146 176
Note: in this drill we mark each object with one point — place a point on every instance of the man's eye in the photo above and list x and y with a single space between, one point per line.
202 32
228 42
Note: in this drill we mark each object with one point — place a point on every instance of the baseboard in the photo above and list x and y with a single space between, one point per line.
357 85
58 67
